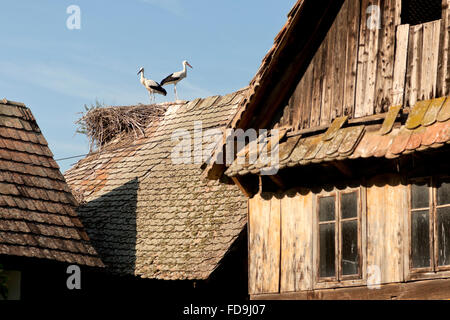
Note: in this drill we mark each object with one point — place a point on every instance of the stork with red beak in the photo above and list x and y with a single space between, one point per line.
151 85
176 77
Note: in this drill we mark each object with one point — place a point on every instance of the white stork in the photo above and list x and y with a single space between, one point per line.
151 85
176 77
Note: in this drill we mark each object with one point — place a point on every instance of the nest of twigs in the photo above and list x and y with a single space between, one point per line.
102 125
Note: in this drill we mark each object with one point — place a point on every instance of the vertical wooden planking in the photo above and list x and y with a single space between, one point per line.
443 74
435 57
367 59
327 93
255 259
296 263
401 56
372 64
385 227
385 56
339 59
271 260
414 69
289 241
362 61
353 19
316 99
294 105
307 97
426 84
264 245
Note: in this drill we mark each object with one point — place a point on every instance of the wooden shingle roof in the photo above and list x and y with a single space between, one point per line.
150 215
427 127
37 209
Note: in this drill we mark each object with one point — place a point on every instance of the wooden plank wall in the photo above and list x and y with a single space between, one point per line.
281 238
264 245
296 243
359 71
385 227
422 65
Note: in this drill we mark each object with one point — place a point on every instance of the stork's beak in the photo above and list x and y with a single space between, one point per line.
189 65
139 71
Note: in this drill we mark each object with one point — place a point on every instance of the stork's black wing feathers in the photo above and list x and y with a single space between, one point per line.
159 89
168 79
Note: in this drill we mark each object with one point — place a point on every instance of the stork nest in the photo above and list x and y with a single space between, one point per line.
103 124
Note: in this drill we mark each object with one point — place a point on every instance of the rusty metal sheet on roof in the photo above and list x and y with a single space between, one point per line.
417 113
433 111
389 121
334 128
444 113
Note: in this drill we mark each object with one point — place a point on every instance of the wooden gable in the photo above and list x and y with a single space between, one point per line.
367 62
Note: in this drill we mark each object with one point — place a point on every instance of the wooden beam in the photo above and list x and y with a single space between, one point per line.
278 181
423 290
246 192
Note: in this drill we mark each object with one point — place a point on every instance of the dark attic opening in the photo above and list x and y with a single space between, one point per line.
420 11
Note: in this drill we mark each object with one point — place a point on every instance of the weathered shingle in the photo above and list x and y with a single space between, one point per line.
149 212
37 216
427 126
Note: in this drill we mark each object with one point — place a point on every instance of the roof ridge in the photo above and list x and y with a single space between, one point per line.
14 103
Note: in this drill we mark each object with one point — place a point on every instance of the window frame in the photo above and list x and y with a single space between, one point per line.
434 268
339 278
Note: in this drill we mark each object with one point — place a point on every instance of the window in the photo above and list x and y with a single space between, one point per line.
430 225
419 11
339 236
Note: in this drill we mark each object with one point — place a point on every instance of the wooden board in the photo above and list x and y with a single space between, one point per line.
386 56
443 75
419 290
339 60
351 63
422 67
360 71
401 56
264 245
296 243
367 62
386 208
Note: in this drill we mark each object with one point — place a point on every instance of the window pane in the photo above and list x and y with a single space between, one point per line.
326 208
420 240
350 247
349 205
419 196
327 250
443 193
443 229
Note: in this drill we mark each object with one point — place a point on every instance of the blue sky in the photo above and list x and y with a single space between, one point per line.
55 71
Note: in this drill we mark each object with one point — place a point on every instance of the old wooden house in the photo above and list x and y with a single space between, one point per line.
40 232
357 206
162 231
